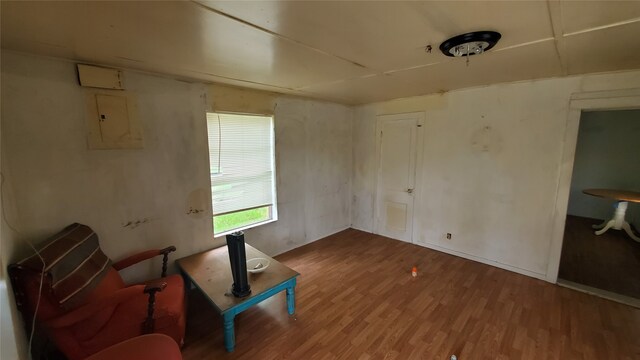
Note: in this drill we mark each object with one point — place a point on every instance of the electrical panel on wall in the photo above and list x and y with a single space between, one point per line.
113 120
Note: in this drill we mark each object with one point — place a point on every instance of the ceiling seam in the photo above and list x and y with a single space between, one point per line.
394 71
515 46
300 90
382 73
603 27
282 89
280 36
241 80
556 31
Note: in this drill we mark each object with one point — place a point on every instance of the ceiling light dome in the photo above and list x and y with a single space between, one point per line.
469 44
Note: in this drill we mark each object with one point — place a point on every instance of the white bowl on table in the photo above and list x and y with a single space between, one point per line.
257 265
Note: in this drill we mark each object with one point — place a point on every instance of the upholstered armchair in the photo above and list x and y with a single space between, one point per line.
144 347
85 306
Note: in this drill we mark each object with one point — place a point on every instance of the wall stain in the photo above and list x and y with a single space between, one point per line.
134 224
194 211
197 203
486 139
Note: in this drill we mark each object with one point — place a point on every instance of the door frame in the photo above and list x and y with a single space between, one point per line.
380 118
579 102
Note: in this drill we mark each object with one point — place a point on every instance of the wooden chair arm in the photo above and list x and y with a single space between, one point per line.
85 311
146 255
152 288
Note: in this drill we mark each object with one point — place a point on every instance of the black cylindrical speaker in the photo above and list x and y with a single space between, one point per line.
238 260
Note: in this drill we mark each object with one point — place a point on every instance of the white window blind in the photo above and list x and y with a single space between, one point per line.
241 157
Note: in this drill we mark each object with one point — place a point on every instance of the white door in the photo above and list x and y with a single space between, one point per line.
399 138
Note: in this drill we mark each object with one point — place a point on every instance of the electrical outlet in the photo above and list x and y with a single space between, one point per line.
448 236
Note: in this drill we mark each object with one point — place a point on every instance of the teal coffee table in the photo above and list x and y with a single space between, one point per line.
210 272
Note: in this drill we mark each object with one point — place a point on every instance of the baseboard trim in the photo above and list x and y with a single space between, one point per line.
461 254
486 261
311 241
626 300
357 228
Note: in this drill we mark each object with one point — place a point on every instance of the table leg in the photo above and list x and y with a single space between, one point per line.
229 336
618 215
291 299
604 229
600 226
627 229
618 222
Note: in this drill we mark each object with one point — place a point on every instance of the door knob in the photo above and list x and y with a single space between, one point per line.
410 191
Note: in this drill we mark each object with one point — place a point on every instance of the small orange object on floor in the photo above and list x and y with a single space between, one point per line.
151 347
414 271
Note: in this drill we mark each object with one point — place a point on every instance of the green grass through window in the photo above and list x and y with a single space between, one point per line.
223 223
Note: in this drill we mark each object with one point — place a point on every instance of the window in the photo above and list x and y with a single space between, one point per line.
241 158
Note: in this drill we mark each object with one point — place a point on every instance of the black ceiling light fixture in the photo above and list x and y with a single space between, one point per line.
473 43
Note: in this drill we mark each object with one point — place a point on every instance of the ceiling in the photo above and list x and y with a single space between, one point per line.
351 52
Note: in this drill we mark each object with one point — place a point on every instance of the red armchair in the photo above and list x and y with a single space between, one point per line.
109 313
145 347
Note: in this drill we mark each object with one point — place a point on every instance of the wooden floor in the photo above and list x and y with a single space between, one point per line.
609 262
356 299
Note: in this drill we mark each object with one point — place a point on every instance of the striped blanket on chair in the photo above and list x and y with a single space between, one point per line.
73 264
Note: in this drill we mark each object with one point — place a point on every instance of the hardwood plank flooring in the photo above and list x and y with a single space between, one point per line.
610 261
356 299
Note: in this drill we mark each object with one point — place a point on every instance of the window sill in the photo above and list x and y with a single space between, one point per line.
242 228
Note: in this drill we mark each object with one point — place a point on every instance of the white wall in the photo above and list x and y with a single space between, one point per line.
53 179
313 164
490 168
57 180
13 342
607 156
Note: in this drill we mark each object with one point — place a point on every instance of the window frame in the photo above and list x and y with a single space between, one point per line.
273 208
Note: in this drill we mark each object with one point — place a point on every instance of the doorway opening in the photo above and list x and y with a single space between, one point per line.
601 246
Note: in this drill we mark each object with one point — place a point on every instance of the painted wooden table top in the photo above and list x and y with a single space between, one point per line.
211 272
621 195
